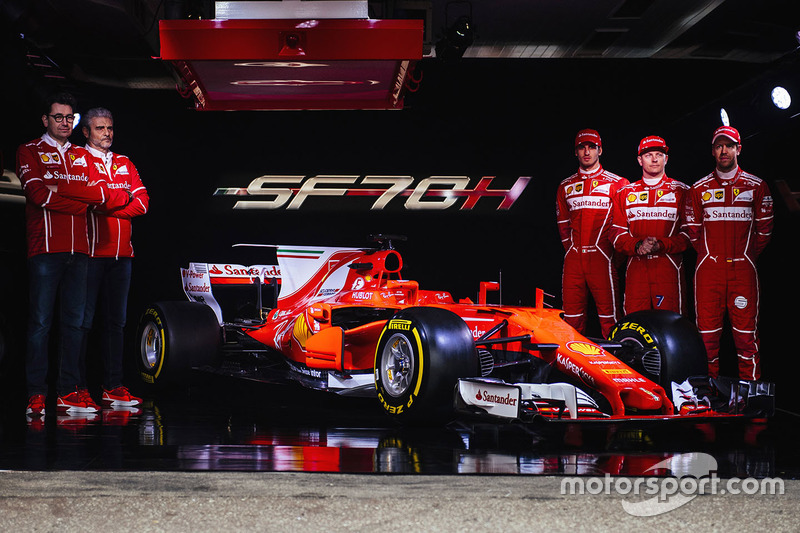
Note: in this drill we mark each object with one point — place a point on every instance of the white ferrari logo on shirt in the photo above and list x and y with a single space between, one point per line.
669 197
602 189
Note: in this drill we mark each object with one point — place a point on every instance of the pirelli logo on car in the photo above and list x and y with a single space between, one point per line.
616 371
395 323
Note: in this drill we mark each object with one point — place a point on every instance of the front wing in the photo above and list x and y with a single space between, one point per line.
696 397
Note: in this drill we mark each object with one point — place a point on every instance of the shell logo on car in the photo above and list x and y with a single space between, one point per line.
584 348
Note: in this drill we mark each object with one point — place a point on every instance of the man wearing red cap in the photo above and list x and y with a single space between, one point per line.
648 216
583 210
729 221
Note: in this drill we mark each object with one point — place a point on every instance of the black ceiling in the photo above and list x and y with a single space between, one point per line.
112 43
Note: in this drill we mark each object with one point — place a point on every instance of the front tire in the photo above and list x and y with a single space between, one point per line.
421 354
172 338
662 345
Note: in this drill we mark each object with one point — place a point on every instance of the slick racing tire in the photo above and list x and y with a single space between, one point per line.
662 345
422 352
172 338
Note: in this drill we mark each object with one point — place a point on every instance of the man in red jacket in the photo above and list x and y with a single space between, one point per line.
111 253
729 221
57 252
583 211
648 220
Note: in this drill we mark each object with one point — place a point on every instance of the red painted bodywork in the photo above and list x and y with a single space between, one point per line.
300 327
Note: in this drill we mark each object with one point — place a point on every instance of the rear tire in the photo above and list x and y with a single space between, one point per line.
662 345
172 338
421 354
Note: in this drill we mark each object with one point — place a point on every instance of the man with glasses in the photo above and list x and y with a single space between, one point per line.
57 252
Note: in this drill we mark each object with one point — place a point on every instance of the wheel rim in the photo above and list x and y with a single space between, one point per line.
151 346
397 365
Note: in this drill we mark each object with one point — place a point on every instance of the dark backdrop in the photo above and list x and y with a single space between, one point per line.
503 118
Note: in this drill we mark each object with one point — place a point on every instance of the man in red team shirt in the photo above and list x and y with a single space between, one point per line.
57 252
111 255
648 220
583 210
729 221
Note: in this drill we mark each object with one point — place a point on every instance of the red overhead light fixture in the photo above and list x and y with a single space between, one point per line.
258 64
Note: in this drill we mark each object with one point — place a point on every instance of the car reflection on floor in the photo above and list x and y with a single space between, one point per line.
291 431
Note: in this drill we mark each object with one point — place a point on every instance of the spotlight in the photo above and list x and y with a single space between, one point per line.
76 121
781 98
723 115
457 38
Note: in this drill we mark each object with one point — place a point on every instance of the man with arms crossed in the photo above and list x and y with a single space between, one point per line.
111 255
57 252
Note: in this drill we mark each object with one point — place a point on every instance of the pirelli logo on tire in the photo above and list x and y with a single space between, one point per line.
397 324
395 409
633 327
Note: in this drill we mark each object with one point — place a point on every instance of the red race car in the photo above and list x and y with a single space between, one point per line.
343 320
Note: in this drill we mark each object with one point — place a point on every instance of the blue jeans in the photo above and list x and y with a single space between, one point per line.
51 275
109 280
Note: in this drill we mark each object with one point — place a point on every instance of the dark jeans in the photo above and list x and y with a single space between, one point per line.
109 280
51 275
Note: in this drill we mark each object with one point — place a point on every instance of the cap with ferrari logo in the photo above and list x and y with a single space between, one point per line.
588 136
729 132
650 143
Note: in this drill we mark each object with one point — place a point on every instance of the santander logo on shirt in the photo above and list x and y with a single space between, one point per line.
653 213
728 214
589 202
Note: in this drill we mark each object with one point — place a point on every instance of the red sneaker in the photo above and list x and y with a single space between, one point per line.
87 398
35 405
120 397
73 403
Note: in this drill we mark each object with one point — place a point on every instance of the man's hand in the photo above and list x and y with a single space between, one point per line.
648 246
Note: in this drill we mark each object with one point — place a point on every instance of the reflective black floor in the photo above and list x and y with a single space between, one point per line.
242 426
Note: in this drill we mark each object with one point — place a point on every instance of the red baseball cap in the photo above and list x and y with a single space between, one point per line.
650 143
729 132
588 136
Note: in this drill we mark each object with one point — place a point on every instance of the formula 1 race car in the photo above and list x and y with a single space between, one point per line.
343 320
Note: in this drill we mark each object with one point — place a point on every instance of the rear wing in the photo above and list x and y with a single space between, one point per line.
234 292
